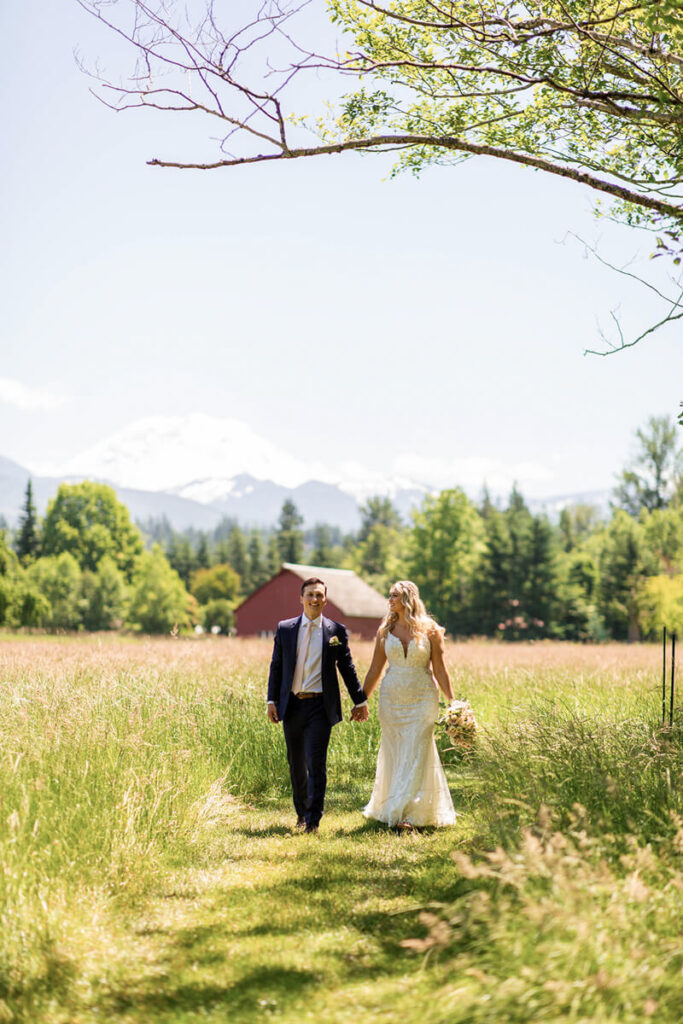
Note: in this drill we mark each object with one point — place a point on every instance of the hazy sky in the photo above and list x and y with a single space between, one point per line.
434 326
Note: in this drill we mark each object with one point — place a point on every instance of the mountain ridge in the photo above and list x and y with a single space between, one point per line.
250 501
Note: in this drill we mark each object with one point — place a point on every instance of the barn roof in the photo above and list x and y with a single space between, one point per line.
344 589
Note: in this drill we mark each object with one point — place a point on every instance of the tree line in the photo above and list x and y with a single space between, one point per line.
485 568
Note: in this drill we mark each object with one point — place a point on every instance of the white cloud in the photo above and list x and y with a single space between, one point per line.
472 472
29 399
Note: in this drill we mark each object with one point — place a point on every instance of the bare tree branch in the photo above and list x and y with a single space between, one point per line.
675 311
586 90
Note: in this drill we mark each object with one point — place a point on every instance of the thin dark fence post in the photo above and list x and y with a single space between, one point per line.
664 676
673 676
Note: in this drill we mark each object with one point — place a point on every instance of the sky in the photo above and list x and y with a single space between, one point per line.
433 327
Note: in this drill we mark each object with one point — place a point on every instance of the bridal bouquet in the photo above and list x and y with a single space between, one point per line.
459 722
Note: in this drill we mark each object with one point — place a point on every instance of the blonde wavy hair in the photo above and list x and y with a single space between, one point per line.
416 615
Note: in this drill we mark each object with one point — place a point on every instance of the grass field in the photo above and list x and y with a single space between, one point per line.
149 871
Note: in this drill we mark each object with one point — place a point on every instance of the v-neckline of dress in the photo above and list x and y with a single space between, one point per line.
404 649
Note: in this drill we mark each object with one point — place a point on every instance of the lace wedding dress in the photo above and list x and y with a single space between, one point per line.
410 784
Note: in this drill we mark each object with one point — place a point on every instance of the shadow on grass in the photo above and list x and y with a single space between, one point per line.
337 888
262 988
352 894
261 832
238 951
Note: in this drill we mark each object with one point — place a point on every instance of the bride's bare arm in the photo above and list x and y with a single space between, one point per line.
376 665
439 665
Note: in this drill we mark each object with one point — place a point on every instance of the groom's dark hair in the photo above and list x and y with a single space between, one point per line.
310 582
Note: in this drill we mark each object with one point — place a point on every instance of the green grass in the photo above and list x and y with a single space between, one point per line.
149 871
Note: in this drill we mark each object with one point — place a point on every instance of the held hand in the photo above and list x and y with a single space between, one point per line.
360 714
272 714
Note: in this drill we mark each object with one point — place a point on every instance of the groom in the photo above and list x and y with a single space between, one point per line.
303 694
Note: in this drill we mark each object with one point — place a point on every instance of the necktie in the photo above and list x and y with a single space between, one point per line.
301 660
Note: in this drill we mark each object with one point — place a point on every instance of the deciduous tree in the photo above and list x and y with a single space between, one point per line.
89 522
220 581
103 596
651 479
446 544
159 601
58 579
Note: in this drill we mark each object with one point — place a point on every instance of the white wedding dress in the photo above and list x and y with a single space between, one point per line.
410 784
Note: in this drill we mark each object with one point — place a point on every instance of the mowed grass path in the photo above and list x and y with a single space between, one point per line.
150 871
296 927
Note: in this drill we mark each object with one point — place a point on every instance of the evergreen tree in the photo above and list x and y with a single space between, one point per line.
202 556
492 586
221 552
237 555
520 524
520 530
577 615
290 538
322 545
259 570
486 506
157 530
224 528
516 586
566 530
274 559
181 557
28 538
623 566
541 582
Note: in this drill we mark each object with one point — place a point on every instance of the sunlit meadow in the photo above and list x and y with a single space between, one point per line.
150 872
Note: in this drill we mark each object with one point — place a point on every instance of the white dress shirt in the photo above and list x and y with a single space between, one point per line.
310 672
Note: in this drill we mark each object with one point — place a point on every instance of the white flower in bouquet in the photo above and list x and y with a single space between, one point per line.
459 722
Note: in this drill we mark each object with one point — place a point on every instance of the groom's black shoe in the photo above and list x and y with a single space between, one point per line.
311 828
300 824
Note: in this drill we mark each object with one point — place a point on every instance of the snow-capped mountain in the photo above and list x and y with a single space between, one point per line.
204 458
168 453
195 469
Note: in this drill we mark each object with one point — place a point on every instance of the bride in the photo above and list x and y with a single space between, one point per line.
410 785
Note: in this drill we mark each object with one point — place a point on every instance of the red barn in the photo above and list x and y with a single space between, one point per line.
349 601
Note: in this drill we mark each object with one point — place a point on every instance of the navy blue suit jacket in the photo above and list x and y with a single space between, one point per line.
336 657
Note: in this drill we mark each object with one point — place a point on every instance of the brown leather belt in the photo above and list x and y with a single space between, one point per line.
306 696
